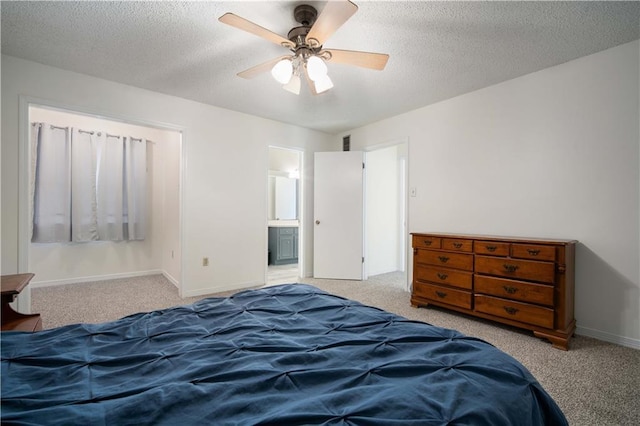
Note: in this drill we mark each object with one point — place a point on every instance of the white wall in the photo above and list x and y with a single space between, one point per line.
550 154
225 169
73 262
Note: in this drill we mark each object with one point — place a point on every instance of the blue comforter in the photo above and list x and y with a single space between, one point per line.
289 354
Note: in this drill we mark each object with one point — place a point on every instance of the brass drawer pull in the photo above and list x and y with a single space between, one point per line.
441 294
533 252
510 310
457 245
510 268
509 289
427 242
442 276
443 259
492 248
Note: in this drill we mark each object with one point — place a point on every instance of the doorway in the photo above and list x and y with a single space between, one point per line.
385 213
284 216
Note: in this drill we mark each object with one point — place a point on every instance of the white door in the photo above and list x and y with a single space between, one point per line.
338 215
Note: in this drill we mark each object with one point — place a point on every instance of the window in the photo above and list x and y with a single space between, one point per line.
87 185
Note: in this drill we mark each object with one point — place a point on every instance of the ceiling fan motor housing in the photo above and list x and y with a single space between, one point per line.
305 15
298 35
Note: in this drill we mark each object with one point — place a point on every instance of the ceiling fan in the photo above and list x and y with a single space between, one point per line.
308 57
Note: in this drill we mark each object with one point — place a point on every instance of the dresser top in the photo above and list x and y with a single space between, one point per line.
496 238
14 284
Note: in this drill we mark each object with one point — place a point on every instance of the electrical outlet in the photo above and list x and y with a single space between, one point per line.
412 192
205 261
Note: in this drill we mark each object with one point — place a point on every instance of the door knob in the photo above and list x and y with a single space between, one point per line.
317 222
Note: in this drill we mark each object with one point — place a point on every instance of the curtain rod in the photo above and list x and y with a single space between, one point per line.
91 132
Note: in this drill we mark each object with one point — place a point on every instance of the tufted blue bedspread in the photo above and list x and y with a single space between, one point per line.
290 354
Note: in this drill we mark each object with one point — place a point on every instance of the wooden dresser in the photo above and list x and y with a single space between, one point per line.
527 283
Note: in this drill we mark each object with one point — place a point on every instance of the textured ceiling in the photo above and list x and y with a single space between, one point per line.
437 50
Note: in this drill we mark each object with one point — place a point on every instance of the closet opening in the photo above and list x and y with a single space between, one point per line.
151 242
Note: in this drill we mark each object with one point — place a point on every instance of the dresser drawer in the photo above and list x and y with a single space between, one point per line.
456 244
533 252
491 248
444 276
515 311
521 269
420 241
540 294
445 258
443 294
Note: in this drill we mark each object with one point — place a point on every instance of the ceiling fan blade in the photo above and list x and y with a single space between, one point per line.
259 69
375 61
334 14
248 26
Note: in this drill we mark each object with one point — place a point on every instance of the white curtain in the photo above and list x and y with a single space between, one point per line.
84 226
52 192
110 187
135 213
87 185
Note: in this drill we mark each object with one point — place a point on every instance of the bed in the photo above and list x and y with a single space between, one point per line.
288 354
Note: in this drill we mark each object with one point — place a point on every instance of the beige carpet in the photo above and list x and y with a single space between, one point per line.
594 383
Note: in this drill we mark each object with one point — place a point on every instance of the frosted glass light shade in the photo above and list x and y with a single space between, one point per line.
282 71
293 85
323 84
316 68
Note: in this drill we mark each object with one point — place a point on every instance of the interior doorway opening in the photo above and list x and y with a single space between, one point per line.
159 252
284 216
386 213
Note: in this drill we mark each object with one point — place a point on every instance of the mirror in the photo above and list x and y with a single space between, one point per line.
284 187
283 199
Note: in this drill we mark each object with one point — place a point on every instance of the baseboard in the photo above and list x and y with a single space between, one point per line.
172 280
36 284
384 271
210 290
608 337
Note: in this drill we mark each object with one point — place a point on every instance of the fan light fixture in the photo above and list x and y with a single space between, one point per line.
282 71
323 84
293 85
287 72
316 68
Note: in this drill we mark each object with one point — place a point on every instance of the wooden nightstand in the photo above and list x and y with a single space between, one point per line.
12 285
